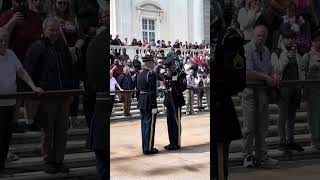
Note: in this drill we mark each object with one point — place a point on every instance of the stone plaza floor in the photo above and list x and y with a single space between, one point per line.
192 161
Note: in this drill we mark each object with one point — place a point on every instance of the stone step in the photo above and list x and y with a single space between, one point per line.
301 117
273 142
34 149
236 159
82 173
33 164
35 137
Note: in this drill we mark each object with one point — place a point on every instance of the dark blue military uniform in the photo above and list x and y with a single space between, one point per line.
229 78
146 85
174 100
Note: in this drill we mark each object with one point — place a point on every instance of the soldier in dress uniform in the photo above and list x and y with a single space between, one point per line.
147 103
176 84
229 78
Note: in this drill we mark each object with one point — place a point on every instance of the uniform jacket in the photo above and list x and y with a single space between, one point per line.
226 80
146 81
98 80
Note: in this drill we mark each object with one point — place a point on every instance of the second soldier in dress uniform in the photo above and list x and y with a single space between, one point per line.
229 78
147 103
176 84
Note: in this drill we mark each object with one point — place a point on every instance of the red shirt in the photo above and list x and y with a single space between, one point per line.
197 60
117 72
24 33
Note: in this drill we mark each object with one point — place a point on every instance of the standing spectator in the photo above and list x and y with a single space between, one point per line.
126 83
74 39
25 26
311 61
206 83
255 101
200 91
288 66
87 13
10 67
191 85
51 54
124 56
116 69
113 84
103 21
247 17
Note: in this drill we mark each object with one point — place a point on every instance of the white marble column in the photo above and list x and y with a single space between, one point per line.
198 28
113 18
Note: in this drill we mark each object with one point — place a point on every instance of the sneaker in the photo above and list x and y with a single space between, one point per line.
62 168
295 146
12 157
248 161
268 162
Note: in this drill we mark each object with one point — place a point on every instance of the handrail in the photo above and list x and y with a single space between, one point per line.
71 92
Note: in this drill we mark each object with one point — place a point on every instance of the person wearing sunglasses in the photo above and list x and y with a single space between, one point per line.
74 39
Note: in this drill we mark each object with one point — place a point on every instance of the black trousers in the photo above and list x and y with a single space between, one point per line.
7 114
219 160
174 125
101 164
89 101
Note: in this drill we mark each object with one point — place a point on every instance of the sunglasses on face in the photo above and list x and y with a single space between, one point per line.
62 3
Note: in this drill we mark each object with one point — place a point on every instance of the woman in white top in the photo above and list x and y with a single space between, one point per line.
247 17
113 84
10 68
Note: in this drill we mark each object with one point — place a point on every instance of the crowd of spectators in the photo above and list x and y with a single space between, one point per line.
49 39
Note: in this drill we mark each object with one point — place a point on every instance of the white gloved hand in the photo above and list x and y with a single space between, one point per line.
162 71
154 111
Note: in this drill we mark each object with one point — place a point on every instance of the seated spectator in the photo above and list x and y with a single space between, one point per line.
51 54
134 42
116 41
125 42
169 44
126 83
139 43
10 68
163 44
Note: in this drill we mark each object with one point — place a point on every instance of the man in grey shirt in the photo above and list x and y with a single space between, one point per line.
255 101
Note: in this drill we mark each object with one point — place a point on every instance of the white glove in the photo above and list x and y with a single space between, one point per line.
162 71
154 111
